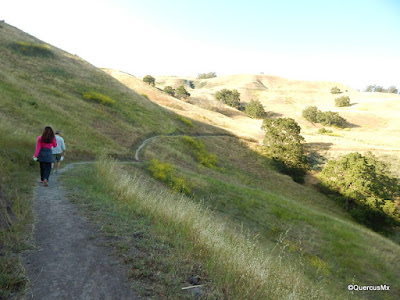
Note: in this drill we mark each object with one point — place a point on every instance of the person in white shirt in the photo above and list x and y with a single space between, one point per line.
59 151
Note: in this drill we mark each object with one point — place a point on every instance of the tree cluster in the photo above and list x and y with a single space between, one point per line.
180 92
169 90
229 97
342 101
284 144
327 118
206 75
367 189
377 88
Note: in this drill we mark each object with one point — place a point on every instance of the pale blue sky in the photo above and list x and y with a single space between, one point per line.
354 42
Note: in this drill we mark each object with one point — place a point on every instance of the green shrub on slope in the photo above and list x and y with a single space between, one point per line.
99 98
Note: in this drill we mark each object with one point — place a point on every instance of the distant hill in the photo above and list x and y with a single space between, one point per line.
373 117
42 85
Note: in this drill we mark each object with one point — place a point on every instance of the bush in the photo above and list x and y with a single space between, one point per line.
166 173
229 97
185 121
150 80
324 131
99 98
342 101
202 156
181 92
335 90
255 109
206 75
328 118
32 49
169 90
310 113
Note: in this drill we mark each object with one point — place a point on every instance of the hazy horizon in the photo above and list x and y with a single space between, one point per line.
351 42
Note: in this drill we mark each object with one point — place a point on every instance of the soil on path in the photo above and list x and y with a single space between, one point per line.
69 262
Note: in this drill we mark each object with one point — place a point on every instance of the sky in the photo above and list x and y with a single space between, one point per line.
354 42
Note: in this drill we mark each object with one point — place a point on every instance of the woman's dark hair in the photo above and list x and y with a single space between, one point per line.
48 135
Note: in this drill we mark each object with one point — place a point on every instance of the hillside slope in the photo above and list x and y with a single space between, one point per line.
372 116
42 85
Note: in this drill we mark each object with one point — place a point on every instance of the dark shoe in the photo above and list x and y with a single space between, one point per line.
45 182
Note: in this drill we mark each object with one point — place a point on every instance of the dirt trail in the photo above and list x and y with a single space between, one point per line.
70 262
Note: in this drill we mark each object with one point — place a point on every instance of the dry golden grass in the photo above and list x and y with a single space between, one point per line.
373 116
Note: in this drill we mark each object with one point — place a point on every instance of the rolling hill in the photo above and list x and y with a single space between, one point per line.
251 232
373 116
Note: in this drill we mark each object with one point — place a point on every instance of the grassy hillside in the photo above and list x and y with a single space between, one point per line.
250 232
41 85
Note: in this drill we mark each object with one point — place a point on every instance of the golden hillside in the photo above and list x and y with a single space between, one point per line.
373 116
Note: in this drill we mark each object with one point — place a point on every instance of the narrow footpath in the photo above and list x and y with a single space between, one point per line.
69 261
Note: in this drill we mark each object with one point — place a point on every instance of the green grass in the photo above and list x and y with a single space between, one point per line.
332 246
32 49
236 264
306 246
202 156
156 264
39 89
16 175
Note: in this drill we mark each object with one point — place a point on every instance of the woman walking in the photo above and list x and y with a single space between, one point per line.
43 153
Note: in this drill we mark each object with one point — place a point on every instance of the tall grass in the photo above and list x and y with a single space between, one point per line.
238 265
16 174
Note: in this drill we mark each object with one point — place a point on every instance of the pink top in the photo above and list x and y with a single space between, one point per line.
40 145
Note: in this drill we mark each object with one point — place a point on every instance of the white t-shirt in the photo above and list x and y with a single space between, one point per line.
60 145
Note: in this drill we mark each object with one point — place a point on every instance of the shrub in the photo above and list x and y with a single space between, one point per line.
99 98
181 92
335 90
202 156
144 95
166 173
32 49
229 97
255 109
185 121
328 118
169 90
342 101
206 75
150 80
324 131
310 113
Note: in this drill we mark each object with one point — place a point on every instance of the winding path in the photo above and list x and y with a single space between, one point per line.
69 261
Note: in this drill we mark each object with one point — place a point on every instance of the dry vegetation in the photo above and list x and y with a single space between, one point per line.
373 117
